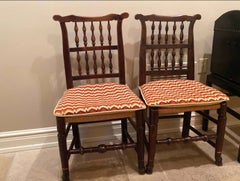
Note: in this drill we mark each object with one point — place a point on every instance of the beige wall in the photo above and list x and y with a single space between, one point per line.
31 68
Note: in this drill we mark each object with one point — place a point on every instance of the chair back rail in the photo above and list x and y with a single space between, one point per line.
166 47
94 50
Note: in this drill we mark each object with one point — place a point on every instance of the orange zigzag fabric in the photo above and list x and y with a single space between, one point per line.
95 98
179 92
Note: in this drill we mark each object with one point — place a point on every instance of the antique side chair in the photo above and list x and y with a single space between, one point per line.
167 85
93 56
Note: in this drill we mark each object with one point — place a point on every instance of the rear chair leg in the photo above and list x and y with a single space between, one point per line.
76 135
124 130
153 125
140 143
62 142
239 154
186 124
220 133
205 121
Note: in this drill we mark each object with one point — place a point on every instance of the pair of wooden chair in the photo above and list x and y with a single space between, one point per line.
166 52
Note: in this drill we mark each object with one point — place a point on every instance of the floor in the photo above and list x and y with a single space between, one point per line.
174 162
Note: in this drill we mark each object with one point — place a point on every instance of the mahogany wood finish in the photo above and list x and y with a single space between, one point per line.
93 51
167 52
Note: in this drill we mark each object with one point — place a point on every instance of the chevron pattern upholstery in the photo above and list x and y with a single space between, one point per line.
97 98
179 92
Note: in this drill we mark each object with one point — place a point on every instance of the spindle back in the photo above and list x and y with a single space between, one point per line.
90 47
166 47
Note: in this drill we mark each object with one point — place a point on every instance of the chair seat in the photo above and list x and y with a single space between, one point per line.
178 92
97 98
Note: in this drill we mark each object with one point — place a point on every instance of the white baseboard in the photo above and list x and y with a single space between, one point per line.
21 140
12 141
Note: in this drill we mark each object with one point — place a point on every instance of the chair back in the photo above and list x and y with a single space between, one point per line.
166 47
92 47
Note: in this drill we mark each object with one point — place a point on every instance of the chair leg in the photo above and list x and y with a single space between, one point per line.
140 141
62 142
76 135
153 124
124 130
205 121
238 154
186 124
220 133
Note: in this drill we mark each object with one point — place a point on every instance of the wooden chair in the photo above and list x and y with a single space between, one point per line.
94 67
166 79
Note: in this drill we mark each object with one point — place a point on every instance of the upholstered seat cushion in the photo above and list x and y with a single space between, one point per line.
179 92
97 98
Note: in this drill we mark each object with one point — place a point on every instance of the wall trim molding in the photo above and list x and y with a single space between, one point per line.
22 140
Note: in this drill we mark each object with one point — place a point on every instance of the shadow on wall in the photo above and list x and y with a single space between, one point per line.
51 79
204 69
132 65
50 76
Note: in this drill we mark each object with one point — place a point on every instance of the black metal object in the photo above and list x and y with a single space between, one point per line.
226 48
